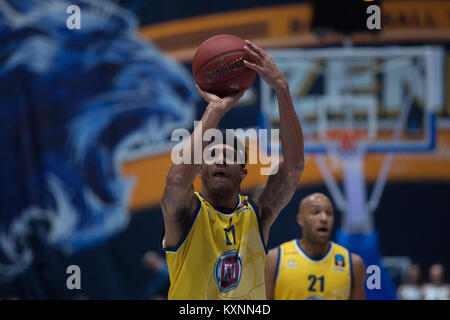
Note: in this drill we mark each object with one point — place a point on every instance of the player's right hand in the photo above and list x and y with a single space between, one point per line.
225 103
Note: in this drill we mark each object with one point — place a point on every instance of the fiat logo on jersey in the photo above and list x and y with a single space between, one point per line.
228 270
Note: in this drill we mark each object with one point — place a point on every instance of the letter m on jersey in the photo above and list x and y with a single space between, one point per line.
228 270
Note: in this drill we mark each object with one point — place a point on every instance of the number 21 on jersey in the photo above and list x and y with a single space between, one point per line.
313 286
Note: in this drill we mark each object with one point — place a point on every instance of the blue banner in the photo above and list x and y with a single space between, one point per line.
75 103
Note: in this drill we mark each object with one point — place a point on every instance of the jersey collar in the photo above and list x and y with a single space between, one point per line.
226 211
313 259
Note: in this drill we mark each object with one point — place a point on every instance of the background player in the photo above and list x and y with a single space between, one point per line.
314 267
215 241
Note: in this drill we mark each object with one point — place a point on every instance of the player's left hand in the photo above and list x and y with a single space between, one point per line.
264 65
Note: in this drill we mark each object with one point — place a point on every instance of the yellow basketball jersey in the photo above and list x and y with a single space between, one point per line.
221 256
299 277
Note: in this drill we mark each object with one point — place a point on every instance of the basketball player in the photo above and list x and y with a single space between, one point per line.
314 268
215 240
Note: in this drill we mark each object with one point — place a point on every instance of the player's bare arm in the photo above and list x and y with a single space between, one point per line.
358 278
281 186
270 271
178 202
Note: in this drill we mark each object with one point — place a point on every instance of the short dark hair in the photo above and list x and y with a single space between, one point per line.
237 143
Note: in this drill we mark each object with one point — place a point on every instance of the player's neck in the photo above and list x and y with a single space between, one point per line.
314 249
220 201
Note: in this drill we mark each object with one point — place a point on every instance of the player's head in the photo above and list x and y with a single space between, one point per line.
437 274
316 217
223 173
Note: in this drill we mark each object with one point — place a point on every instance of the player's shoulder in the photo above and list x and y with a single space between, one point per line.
288 244
356 259
283 246
337 246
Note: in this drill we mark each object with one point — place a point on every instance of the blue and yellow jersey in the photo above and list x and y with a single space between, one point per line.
221 256
300 277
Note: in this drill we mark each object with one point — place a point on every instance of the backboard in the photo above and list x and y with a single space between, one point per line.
388 93
354 101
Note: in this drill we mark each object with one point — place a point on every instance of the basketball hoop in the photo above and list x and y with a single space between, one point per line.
347 137
346 121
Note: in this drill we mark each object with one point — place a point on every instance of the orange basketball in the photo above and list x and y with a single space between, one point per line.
218 66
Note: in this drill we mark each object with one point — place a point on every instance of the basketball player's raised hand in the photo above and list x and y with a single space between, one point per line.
264 65
225 103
